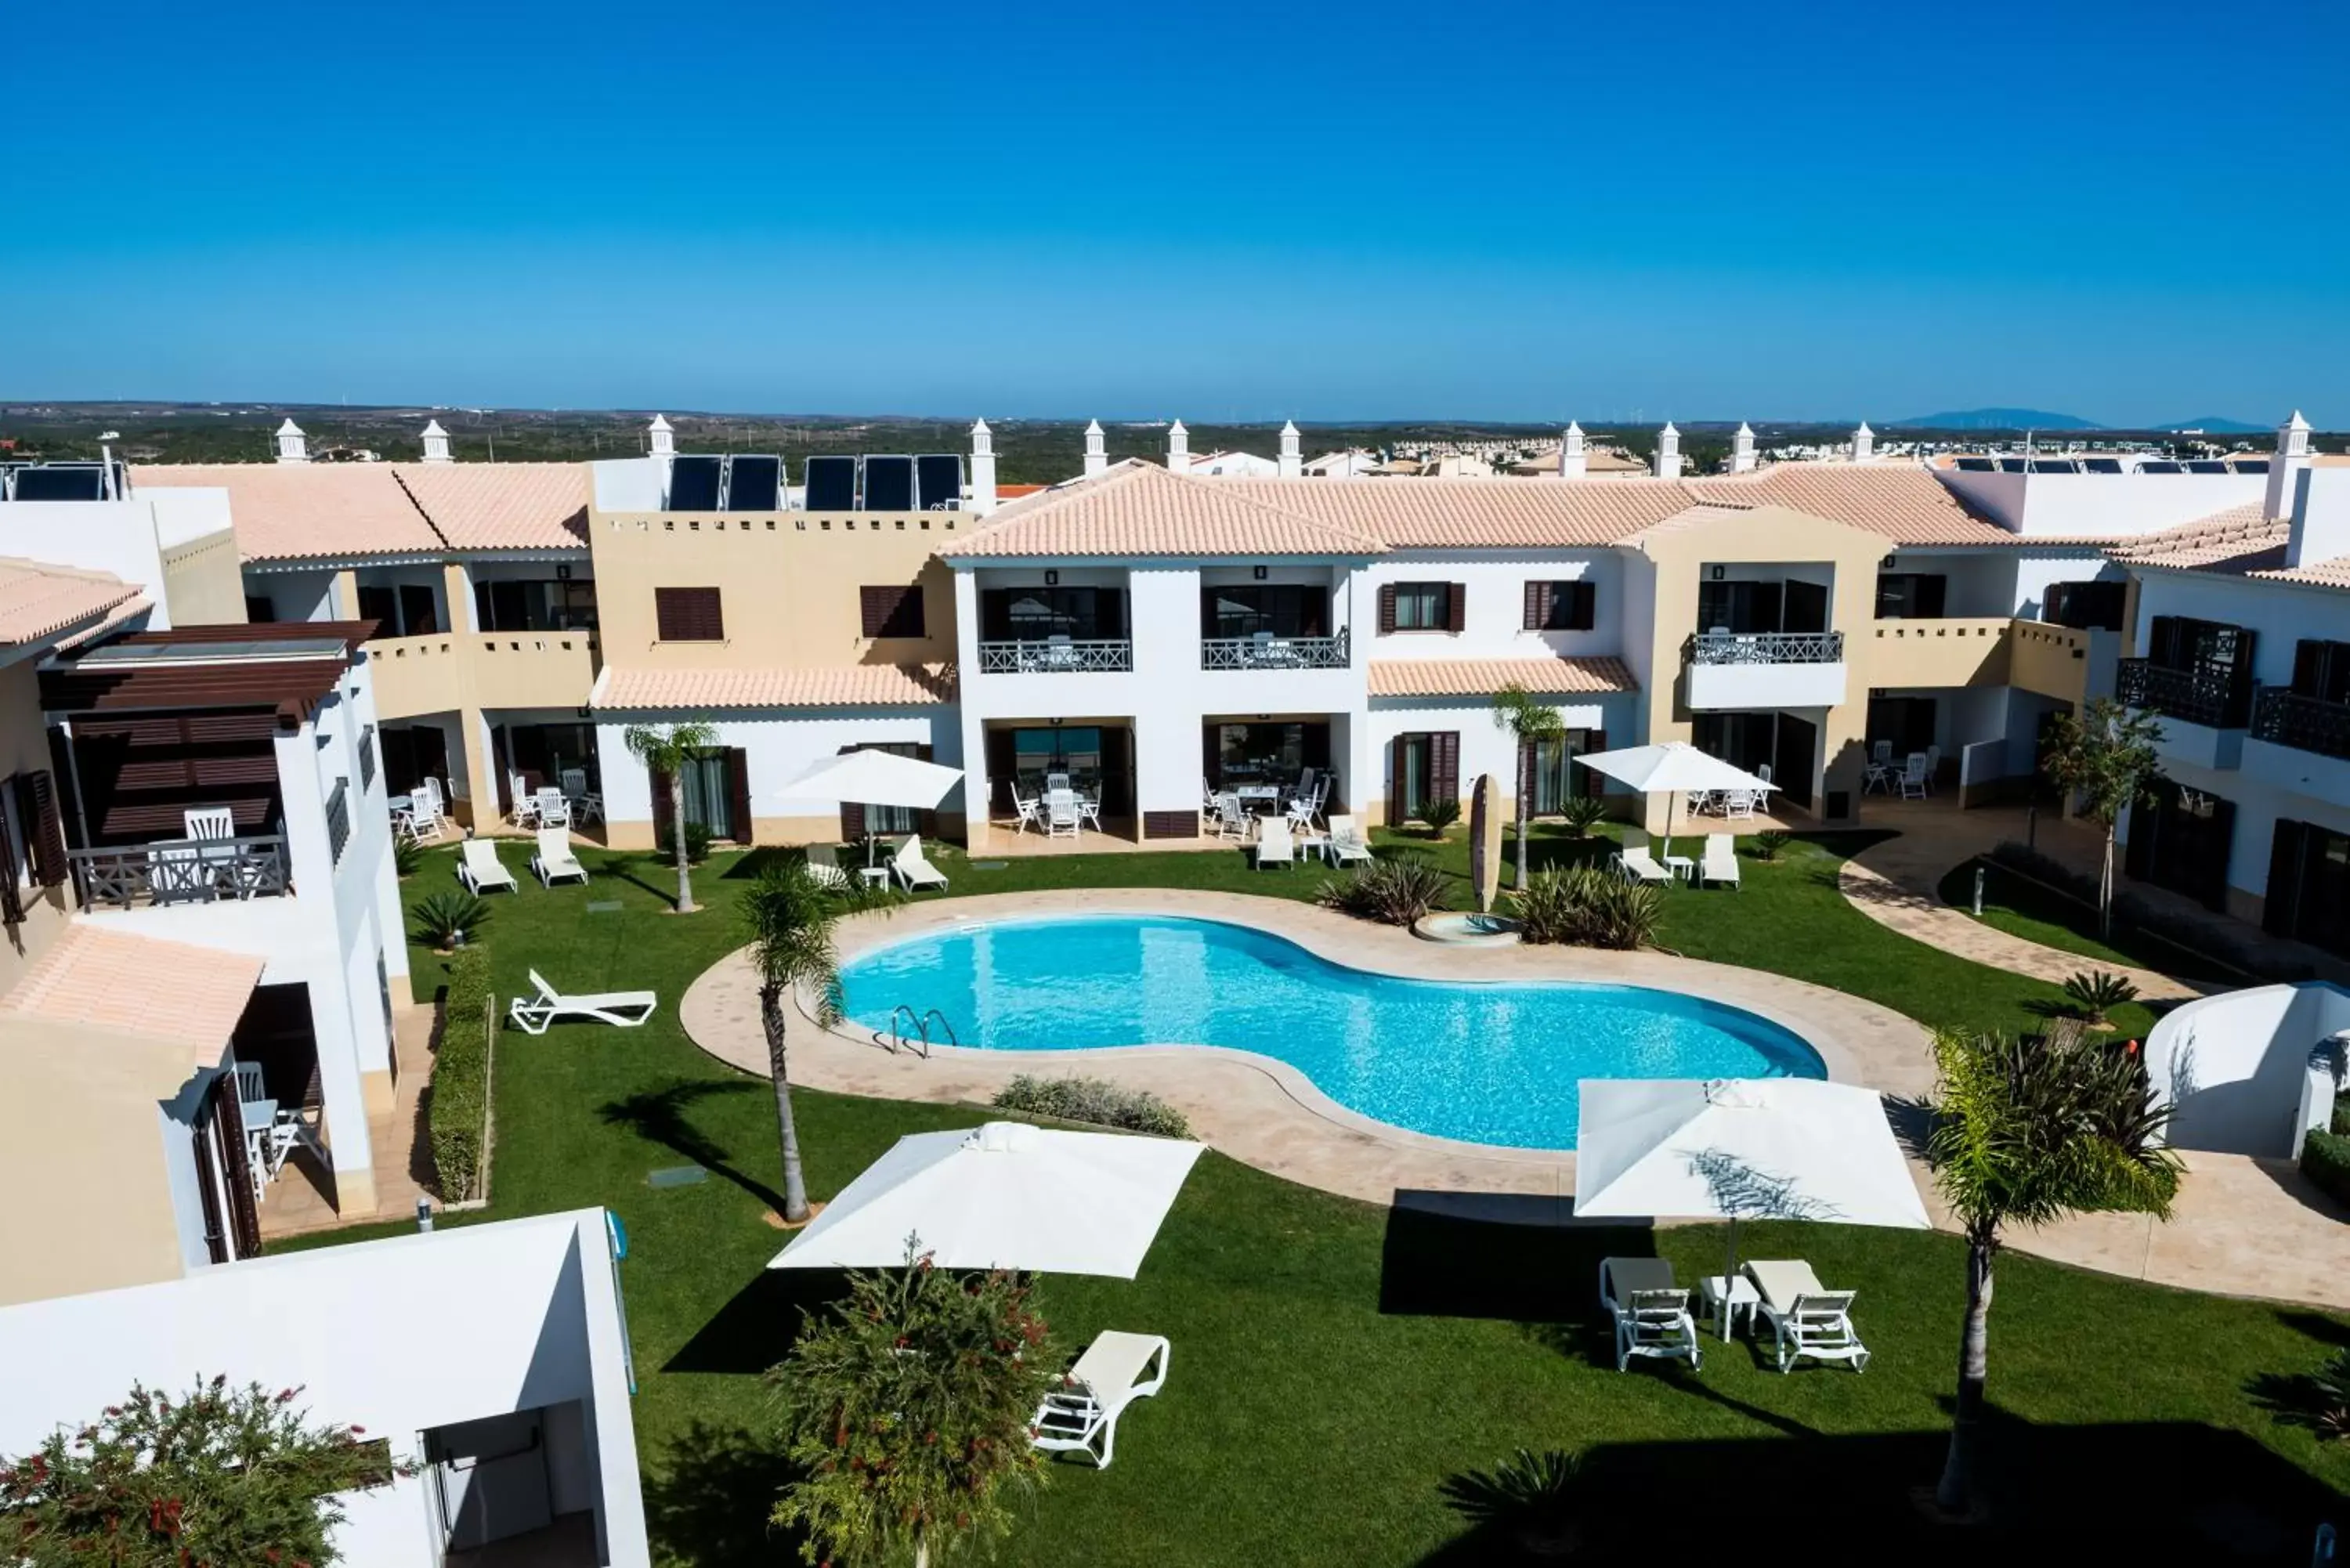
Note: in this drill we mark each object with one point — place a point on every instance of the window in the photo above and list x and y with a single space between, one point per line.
1283 609
1421 607
2322 670
259 609
1562 606
891 611
2309 885
1553 770
2086 606
1911 596
547 605
709 794
688 615
2181 840
1423 767
1033 614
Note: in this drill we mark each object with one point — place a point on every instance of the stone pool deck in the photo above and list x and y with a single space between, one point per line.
2242 1228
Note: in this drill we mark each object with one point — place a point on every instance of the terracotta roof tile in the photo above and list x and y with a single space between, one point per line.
1483 677
113 980
38 601
1140 509
2238 543
836 686
1906 505
502 505
1477 513
307 511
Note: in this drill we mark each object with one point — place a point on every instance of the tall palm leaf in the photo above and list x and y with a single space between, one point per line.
790 917
1528 722
667 752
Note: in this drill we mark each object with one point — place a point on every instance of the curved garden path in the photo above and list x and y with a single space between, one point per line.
2242 1227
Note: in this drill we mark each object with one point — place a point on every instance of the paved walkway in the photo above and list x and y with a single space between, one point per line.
1896 884
2243 1227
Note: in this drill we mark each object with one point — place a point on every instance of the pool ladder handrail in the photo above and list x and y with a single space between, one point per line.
899 1039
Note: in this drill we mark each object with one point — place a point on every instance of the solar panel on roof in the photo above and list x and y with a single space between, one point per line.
2012 465
889 484
2207 466
693 483
2053 465
61 482
2102 464
1977 465
2160 468
755 483
832 484
938 481
2253 465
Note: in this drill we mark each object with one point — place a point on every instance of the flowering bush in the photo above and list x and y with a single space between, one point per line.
906 1413
221 1477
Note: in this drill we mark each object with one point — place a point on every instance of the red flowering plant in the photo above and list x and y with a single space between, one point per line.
221 1477
906 1412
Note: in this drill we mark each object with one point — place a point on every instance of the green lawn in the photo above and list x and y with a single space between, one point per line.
2037 914
1336 1361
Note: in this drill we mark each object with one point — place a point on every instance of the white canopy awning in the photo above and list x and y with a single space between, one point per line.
1670 766
1004 1196
874 778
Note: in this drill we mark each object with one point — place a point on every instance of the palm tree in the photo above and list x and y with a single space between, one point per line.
2031 1131
1527 721
667 752
2106 757
790 917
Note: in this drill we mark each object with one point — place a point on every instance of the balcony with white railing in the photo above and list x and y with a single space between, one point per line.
180 871
1056 656
1270 651
1766 670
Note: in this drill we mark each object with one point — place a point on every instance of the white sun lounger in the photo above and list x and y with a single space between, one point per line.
1082 1416
914 868
1806 1317
480 869
622 1009
1721 862
1651 1313
1275 846
1346 846
824 866
555 860
1637 865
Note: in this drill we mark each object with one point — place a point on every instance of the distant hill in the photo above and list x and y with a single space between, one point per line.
1999 420
2214 425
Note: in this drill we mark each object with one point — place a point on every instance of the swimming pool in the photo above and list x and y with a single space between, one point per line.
1482 1062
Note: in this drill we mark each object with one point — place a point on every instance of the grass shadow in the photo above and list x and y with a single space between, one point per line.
660 1116
706 1504
1503 1257
760 1322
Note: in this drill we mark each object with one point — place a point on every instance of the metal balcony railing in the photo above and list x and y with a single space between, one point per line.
367 757
2214 695
2305 724
179 871
1268 651
338 820
1766 648
1056 655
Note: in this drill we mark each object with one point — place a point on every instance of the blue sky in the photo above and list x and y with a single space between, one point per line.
2129 211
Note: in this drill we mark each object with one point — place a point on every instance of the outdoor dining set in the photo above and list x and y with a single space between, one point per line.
272 1131
422 816
1913 776
1059 811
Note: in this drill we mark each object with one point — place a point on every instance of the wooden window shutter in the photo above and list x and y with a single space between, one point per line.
1586 782
12 897
1537 606
662 814
47 830
852 815
2283 903
689 615
227 1120
1456 605
1445 764
738 786
893 610
1386 607
1396 750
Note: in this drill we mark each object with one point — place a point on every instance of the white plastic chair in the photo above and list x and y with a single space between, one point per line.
824 866
1274 846
1089 812
1081 1416
1933 766
1806 1319
1024 812
1721 862
209 822
1056 781
621 1009
1635 863
574 782
913 868
1738 802
1060 813
1880 752
1762 771
250 1086
1346 846
479 870
554 811
1651 1313
1231 822
1913 776
525 803
555 861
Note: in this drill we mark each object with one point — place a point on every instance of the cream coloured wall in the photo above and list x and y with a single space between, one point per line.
788 582
204 585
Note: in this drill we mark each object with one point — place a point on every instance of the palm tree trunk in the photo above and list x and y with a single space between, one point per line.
677 826
2106 888
771 1016
1956 1486
1525 788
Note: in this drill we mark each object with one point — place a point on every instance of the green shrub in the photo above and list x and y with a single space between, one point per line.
460 1095
2096 992
1537 1500
1584 906
406 855
449 918
1396 891
2342 1116
1768 843
1583 813
1092 1100
1440 813
697 843
2325 1161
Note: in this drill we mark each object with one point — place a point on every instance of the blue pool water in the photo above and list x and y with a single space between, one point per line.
1482 1061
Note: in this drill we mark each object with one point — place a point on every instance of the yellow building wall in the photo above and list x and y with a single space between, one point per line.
1963 651
204 585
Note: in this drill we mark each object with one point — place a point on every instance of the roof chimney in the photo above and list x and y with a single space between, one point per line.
1179 448
1574 462
983 469
1292 462
291 447
2321 516
1864 443
1096 459
1668 452
1741 450
662 443
2292 457
436 442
